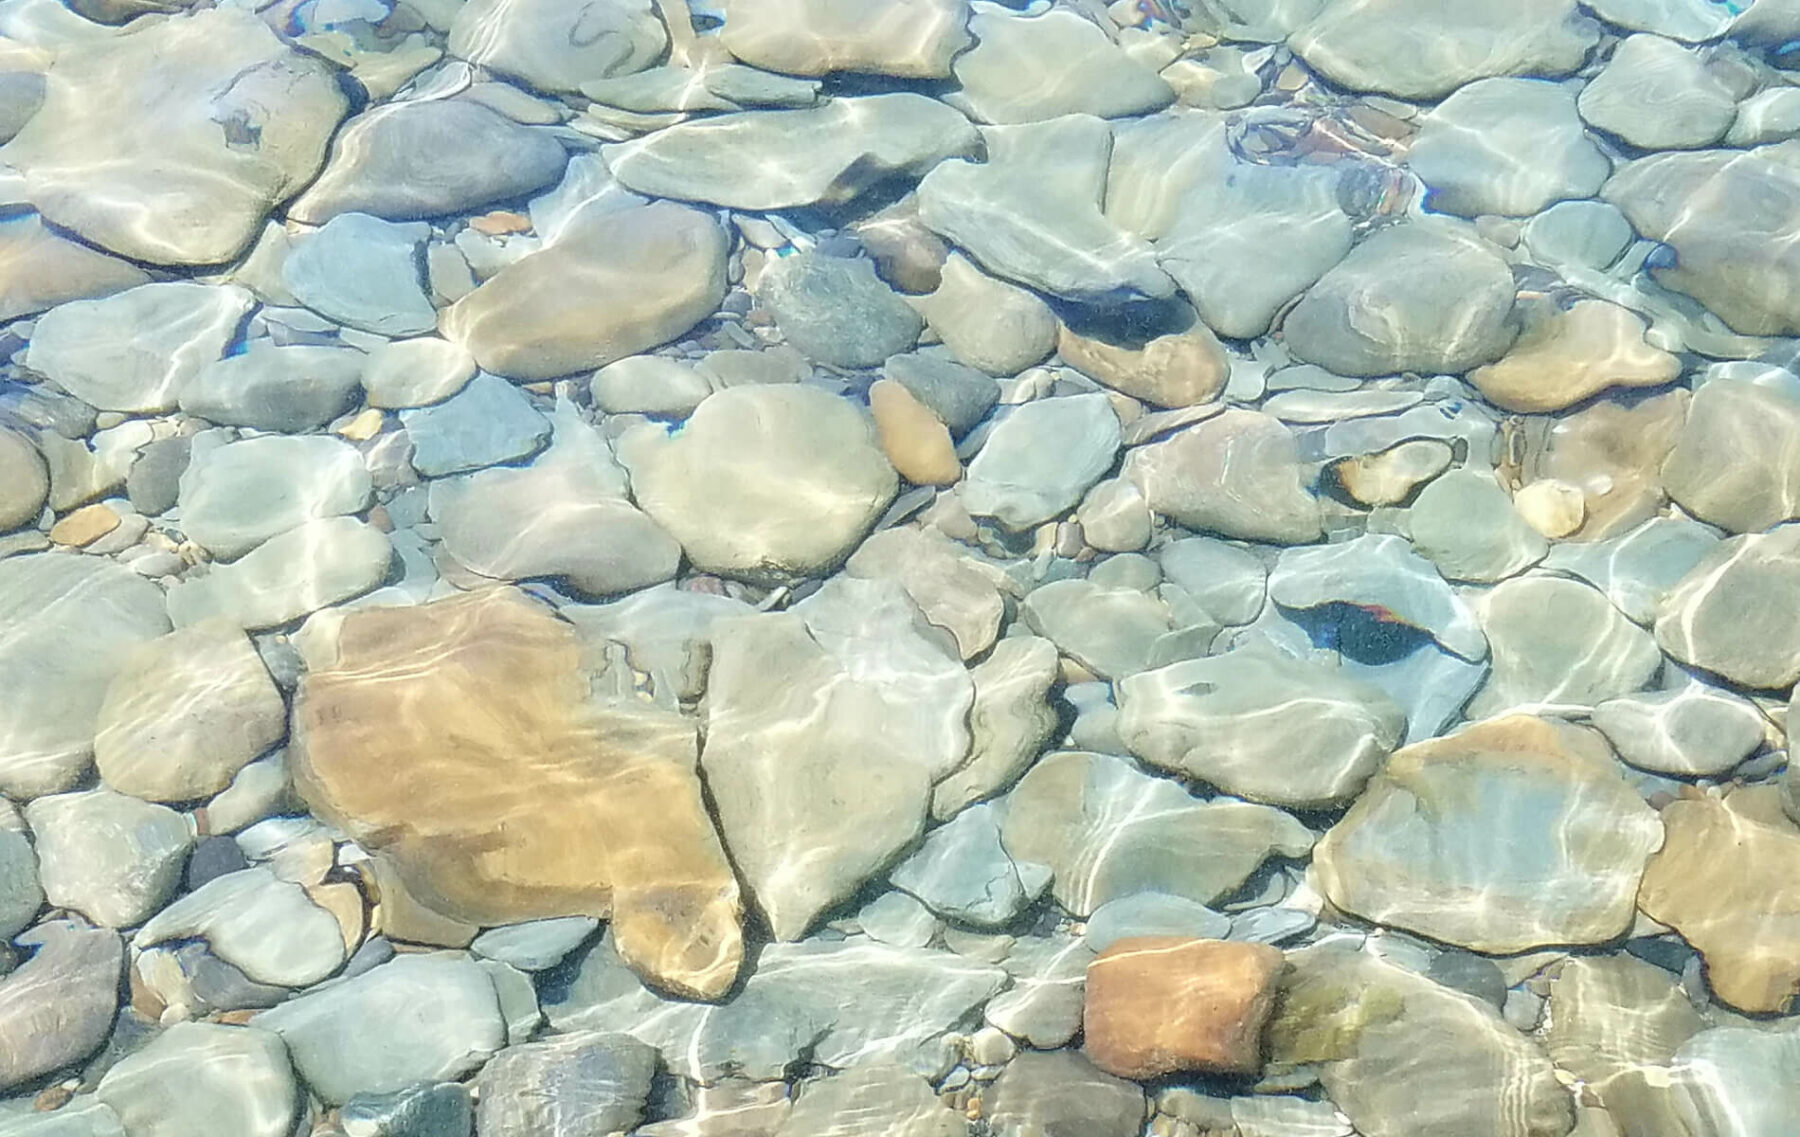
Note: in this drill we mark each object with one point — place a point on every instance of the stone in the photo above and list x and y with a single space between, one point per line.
195 154
204 1080
764 481
263 925
628 836
1041 458
287 389
986 323
153 484
1581 234
425 158
1612 453
364 272
738 367
1113 632
575 1085
914 440
896 919
1723 880
112 858
425 1109
1026 69
1177 369
1732 613
1382 572
1731 1079
488 423
1445 299
1467 526
1009 722
310 567
1718 210
1046 1095
535 945
236 495
912 39
556 47
416 372
20 894
1107 830
59 1005
1420 49
955 591
414 1018
1166 1004
1735 463
1032 213
666 633
185 714
1637 570
1225 580
85 1116
1696 730
24 482
85 526
1553 508
1481 799
1767 116
1236 474
1688 20
1658 95
614 284
1390 476
1558 644
1049 975
895 1098
1505 146
1260 725
1114 517
958 395
781 159
836 310
1152 914
40 268
649 384
963 873
1565 356
72 625
133 350
1612 1015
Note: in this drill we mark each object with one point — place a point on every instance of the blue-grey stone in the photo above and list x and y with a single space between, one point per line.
428 1109
837 311
1270 925
1153 914
584 1084
963 873
365 272
488 422
536 944
20 894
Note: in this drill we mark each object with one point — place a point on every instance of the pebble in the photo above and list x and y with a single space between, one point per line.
85 526
1693 730
1558 643
913 39
897 919
1042 1008
425 1109
153 484
290 389
255 921
1468 527
535 945
1164 1004
570 1086
112 858
133 351
1114 517
836 310
1582 234
915 442
1506 146
364 272
312 566
963 873
24 482
1760 485
987 323
416 372
488 422
236 495
204 1080
1152 914
1237 474
959 395
1732 611
1563 357
1040 460
1040 1095
1658 95
650 385
58 1006
1031 68
1180 368
1389 477
1554 508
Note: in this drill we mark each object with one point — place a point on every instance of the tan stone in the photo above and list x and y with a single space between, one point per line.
1389 477
398 915
914 39
1731 886
1159 1004
911 436
1611 452
457 739
85 526
1553 508
1562 357
1175 370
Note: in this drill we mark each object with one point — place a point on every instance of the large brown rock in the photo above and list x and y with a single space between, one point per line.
456 738
1158 1004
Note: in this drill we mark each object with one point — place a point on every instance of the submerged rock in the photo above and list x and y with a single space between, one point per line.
1028 68
1041 458
557 45
1162 1004
1558 644
1506 146
1736 462
204 1080
912 39
1737 611
1658 95
1236 474
58 1007
837 311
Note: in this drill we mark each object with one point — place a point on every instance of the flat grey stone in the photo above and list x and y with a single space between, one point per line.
1693 730
963 873
1737 1080
265 926
1558 643
583 1084
20 894
1734 463
24 482
1636 570
1153 914
488 422
204 1080
957 591
665 631
1045 1095
1009 722
1229 583
1690 20
1658 95
1381 571
1113 632
649 384
1734 612
58 1007
154 483
1028 68
288 389
1584 234
837 311
86 1116
897 919
557 46
303 570
112 858
1467 526
1611 1015
416 372
1506 146
365 272
535 945
1237 474
133 350
897 1100
1041 458
237 495
427 1109
1049 982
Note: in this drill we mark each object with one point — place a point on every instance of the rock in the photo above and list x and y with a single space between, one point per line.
958 395
1693 731
1506 146
912 39
1716 1076
963 873
1558 644
310 567
955 591
1732 613
185 714
1031 68
425 1109
771 160
762 481
1227 582
1177 369
1390 476
987 323
72 624
1724 881
1113 632
1724 255
896 1099
555 46
85 526
20 894
575 1085
914 440
1260 725
740 367
416 372
1164 1004
535 945
113 858
1552 508
1658 95
1381 572
134 350
264 926
40 268
236 495
836 310
614 284
24 482
1584 234
1009 722
58 1007
1445 299
1032 213
1041 458
1767 116
1378 1031
154 481
649 384
1114 517
1688 20
85 1116
1612 453
628 835
1152 914
362 271
193 130
1043 1005
1637 570
1236 474
1492 884
565 515
1613 1015
1734 463
487 423
896 919
1045 1095
204 1080
426 158
411 1019
1420 49
666 633
288 389
1107 830
1565 356
1467 526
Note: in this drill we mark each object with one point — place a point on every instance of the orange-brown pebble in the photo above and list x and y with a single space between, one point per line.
500 222
914 439
85 526
1160 1004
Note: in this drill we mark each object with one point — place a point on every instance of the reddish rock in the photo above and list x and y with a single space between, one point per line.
1159 1004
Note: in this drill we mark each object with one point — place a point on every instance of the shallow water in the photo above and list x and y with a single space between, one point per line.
919 567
